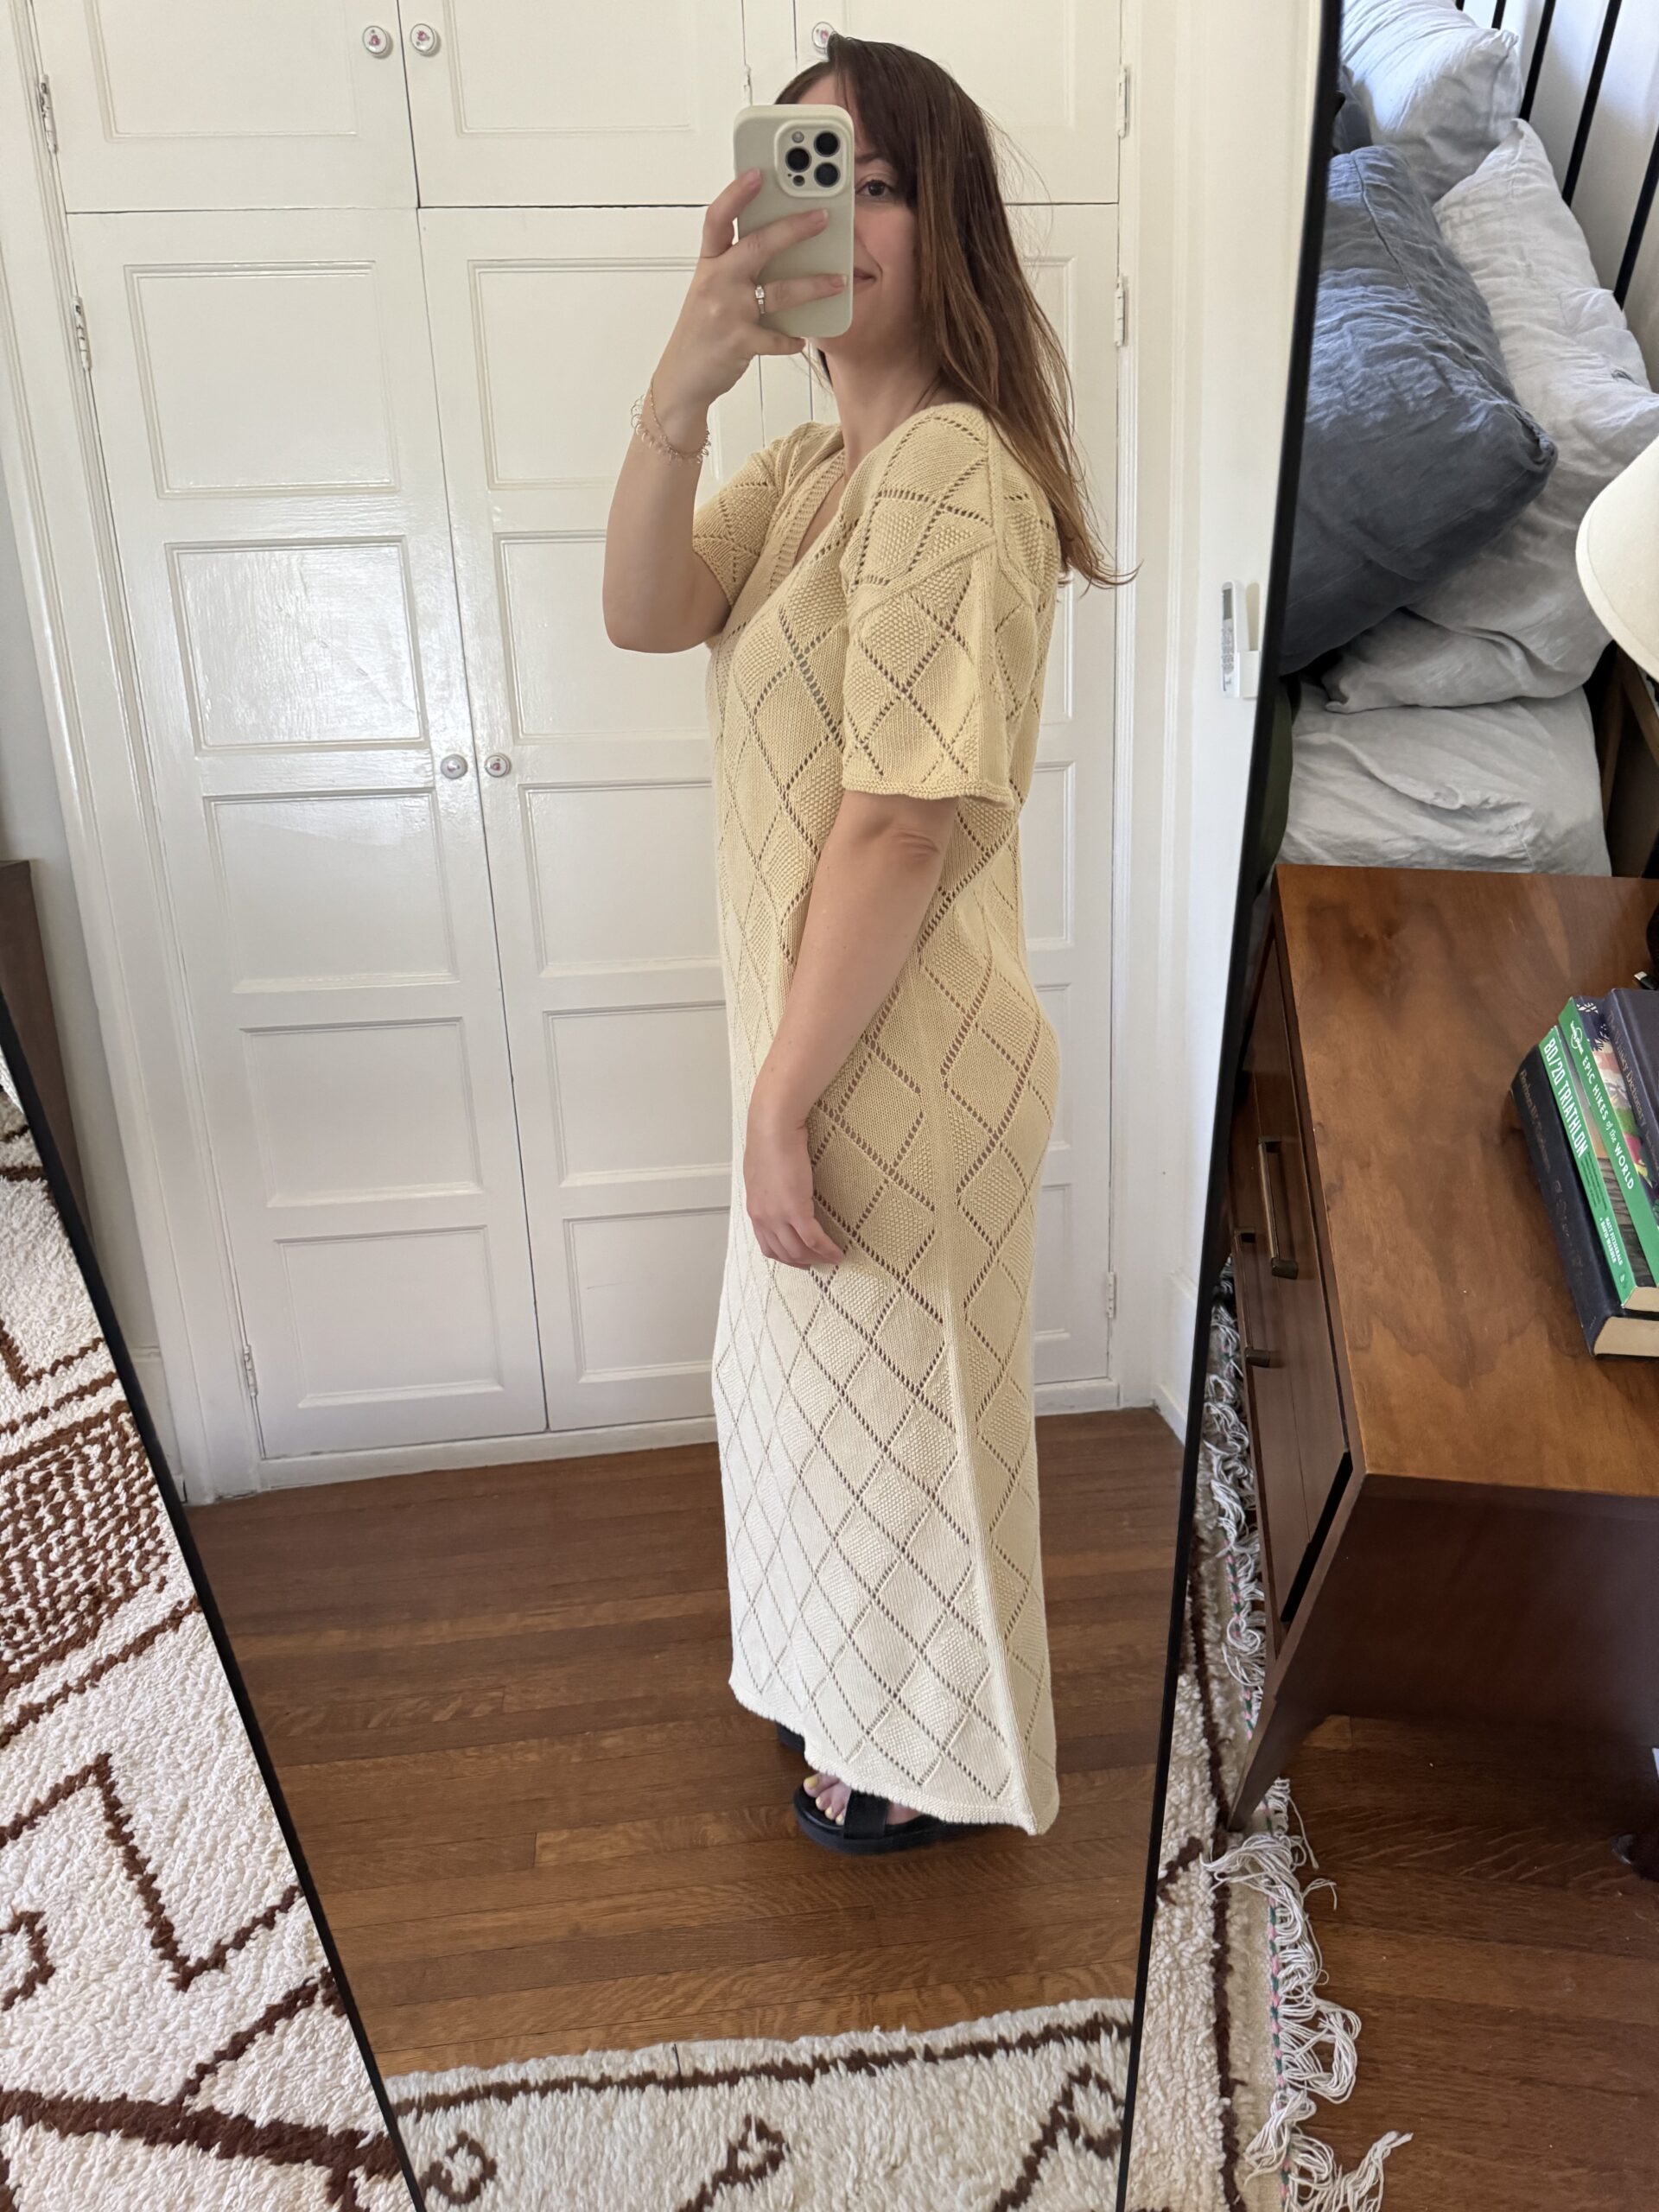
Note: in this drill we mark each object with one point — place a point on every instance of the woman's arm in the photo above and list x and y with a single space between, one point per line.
871 890
658 597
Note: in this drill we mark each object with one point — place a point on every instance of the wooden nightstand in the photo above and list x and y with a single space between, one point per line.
1460 1506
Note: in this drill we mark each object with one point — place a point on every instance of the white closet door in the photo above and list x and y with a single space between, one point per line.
518 103
264 392
601 823
1045 71
227 103
1065 830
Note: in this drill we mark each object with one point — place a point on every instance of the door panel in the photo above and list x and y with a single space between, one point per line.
1066 827
227 104
515 102
601 831
264 393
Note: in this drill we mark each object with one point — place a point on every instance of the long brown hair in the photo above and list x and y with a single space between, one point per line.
979 315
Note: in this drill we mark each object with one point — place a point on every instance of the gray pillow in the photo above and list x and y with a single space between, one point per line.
1352 126
1515 624
1415 451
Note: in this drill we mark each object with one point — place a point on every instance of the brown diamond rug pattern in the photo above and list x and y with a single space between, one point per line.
1017 2112
170 2034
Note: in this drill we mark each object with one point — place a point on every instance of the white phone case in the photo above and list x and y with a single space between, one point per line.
763 138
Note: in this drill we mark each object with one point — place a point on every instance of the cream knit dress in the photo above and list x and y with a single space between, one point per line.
878 1453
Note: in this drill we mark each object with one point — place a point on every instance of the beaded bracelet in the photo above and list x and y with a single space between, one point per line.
656 437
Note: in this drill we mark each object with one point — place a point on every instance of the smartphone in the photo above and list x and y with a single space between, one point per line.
804 156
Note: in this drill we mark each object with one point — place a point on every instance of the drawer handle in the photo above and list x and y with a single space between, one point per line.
1280 1256
1254 1358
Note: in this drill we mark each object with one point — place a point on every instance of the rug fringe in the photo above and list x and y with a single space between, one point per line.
1317 2055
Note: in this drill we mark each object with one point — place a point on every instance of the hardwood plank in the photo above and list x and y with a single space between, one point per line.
1503 1963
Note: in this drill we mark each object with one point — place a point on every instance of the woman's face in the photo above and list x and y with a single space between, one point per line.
884 325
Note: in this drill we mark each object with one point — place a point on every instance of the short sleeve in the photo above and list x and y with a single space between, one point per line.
925 711
729 528
945 620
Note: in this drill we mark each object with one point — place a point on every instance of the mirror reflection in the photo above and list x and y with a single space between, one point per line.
1421 1523
599 802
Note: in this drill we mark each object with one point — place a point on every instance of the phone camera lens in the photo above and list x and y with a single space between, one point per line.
797 158
826 143
826 174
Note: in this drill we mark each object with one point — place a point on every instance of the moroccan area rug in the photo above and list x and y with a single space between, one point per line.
170 2034
1017 2112
1238 2043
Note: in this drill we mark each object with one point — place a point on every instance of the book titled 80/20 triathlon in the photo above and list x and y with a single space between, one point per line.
1587 1097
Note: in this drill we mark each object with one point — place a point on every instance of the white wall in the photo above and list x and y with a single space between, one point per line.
31 829
1213 198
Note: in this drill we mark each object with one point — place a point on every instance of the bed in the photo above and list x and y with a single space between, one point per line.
1475 380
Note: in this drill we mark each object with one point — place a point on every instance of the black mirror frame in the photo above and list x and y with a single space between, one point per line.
57 1181
1325 102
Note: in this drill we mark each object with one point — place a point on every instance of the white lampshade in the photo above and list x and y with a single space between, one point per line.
1618 558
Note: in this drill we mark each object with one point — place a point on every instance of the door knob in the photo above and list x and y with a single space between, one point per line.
497 764
379 41
424 38
452 764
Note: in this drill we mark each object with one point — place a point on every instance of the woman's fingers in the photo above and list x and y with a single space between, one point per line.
751 254
797 1243
724 210
784 292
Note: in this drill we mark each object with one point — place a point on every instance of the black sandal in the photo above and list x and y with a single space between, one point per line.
789 1740
865 1833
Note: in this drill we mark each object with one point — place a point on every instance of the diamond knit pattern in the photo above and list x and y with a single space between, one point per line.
877 1445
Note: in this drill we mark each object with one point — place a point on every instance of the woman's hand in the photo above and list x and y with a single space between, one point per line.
719 333
777 1188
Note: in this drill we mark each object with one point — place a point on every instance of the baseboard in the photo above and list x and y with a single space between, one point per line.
1173 1387
1093 1394
1173 1413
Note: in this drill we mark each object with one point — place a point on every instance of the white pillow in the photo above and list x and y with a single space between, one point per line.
1514 622
1441 88
1513 786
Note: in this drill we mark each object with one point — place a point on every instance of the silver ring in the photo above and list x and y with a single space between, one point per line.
761 297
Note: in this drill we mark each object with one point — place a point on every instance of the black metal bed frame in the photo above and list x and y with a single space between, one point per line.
1644 197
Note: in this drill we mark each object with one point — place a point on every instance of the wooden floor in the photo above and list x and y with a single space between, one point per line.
1505 1965
539 1822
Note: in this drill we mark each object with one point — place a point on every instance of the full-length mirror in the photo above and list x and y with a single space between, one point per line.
1413 1618
627 692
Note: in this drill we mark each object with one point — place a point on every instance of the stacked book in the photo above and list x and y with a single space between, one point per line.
1588 1100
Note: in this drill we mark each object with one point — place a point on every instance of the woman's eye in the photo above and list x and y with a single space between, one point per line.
880 185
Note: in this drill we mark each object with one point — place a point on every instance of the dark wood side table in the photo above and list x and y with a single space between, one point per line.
1460 1506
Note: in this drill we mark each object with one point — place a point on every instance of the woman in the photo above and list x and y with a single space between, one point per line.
877 594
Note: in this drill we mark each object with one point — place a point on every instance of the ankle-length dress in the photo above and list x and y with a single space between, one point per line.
875 1416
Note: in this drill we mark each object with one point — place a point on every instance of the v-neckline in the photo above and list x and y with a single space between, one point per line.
791 542
796 557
